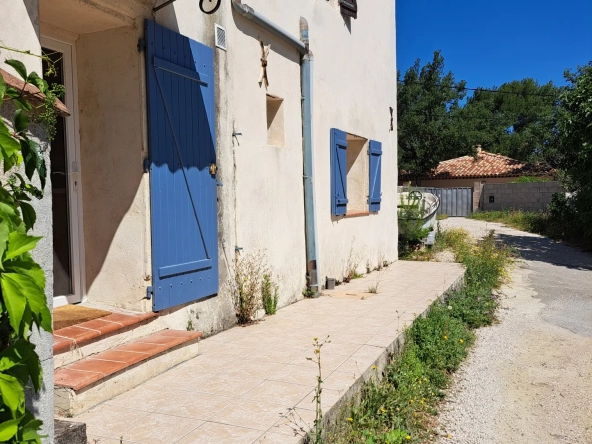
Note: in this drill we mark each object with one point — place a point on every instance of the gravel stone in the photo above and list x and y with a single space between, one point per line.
528 379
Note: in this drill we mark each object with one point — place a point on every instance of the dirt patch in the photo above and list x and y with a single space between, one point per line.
529 378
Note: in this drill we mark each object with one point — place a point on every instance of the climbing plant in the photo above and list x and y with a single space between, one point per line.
23 303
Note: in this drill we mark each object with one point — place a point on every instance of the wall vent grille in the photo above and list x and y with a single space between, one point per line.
221 37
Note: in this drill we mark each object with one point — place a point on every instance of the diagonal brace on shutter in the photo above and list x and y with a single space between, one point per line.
168 114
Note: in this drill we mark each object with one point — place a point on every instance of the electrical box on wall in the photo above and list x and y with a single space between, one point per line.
349 8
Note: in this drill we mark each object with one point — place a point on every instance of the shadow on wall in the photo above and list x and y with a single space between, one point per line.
543 249
180 136
277 45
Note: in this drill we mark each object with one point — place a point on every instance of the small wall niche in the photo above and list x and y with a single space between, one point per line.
275 121
357 173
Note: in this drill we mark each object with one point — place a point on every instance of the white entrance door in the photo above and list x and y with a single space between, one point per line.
68 279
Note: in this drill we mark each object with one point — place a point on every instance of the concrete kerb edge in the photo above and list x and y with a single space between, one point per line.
331 417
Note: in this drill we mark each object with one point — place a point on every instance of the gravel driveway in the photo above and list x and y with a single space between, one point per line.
529 377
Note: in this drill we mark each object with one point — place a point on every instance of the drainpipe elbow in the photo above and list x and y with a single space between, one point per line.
304 31
244 10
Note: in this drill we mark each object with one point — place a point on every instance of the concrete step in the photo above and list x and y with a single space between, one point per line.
85 383
74 343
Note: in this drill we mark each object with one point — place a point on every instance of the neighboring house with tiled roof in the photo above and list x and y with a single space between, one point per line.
484 168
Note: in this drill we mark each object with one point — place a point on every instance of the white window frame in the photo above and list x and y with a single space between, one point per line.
73 166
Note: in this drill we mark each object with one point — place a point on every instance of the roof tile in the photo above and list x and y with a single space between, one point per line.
484 165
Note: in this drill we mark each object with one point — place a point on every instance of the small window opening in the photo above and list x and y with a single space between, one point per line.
275 121
357 174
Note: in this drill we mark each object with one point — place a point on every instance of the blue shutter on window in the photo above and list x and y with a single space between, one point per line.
338 173
375 164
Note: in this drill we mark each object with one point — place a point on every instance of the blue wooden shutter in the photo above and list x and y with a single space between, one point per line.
181 127
375 167
338 172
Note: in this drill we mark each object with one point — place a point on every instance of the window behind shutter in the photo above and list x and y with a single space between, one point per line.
375 167
338 173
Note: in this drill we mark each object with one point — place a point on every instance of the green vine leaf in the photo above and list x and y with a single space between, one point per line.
2 88
22 104
19 243
8 429
34 79
14 300
36 299
28 268
30 427
18 67
4 230
13 393
29 215
21 121
8 143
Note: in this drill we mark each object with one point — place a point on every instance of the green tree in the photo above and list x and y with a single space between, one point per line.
428 100
575 144
519 120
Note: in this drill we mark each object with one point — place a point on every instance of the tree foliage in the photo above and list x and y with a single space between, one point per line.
438 120
427 102
23 304
575 147
518 121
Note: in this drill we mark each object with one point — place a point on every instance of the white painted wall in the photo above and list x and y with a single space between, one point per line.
261 205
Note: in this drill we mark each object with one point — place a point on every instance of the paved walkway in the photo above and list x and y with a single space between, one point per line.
255 385
529 378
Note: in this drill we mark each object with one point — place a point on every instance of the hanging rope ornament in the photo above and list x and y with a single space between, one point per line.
211 11
264 53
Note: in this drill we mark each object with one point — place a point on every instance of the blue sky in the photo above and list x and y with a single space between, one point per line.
491 42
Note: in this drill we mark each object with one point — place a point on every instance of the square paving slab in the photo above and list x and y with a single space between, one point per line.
255 385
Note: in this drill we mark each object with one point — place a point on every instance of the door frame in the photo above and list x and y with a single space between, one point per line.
73 167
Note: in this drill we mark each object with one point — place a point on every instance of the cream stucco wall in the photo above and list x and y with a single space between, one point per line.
355 84
112 149
261 202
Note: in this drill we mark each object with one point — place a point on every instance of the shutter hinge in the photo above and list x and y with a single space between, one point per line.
141 45
149 292
146 165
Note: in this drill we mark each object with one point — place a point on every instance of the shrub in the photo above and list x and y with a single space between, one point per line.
269 295
248 276
531 179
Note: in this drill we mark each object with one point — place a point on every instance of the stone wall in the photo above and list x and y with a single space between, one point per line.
518 196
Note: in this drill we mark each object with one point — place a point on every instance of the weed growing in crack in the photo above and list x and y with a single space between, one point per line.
316 436
269 295
352 263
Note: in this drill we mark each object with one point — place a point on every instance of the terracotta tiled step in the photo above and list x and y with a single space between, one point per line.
89 381
71 337
92 369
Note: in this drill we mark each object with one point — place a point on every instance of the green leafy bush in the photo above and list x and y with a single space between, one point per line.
531 179
23 304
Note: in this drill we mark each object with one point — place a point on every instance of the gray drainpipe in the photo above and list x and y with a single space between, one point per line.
312 260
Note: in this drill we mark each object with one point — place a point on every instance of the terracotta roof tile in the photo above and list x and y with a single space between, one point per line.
485 165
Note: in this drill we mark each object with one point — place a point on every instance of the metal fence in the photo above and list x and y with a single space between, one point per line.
454 202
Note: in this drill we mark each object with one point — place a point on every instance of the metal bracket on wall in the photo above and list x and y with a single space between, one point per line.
168 2
149 292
